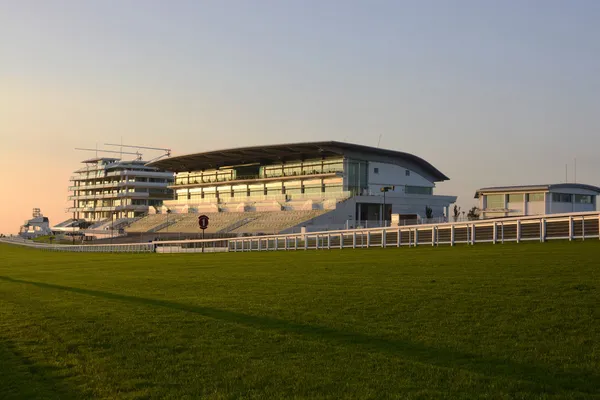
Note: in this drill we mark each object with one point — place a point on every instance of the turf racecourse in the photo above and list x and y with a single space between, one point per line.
505 321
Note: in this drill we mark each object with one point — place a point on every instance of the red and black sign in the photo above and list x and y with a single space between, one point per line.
203 222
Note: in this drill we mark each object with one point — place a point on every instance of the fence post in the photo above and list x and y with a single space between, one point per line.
495 232
582 228
452 235
383 238
543 230
570 228
305 242
473 233
354 239
328 241
502 231
259 244
368 239
416 237
433 234
519 231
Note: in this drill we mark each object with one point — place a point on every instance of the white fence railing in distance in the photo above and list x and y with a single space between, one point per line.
85 248
572 226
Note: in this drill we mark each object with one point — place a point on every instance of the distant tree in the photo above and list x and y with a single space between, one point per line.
473 214
456 212
428 212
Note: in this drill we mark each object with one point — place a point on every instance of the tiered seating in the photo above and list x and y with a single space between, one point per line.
66 223
275 222
227 222
149 222
217 222
99 225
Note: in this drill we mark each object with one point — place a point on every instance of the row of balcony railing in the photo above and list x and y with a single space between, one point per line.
197 180
129 207
119 184
259 198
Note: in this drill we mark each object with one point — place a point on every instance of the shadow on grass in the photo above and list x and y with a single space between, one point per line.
21 378
542 377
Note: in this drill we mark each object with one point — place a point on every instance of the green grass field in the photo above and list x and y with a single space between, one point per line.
495 322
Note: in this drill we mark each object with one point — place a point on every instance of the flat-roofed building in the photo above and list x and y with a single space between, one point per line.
505 201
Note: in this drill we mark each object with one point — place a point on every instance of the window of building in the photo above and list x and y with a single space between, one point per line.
407 172
536 196
562 198
583 199
495 201
515 198
418 190
376 170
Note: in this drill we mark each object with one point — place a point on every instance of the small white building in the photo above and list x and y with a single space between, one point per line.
36 226
506 201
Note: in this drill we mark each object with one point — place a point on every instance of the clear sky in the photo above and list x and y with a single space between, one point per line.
490 92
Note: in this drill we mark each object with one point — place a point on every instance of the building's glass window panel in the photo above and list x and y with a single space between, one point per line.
495 200
516 198
418 190
357 176
536 197
335 165
562 198
292 169
583 199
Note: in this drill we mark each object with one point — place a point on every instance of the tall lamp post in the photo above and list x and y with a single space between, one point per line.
385 189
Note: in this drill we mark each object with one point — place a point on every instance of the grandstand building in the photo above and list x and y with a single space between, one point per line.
510 201
108 190
275 188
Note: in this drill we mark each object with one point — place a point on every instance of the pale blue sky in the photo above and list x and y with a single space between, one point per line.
491 93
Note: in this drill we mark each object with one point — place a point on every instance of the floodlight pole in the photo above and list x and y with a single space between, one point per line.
383 211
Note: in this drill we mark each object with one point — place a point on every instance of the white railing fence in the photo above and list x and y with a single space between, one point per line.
572 226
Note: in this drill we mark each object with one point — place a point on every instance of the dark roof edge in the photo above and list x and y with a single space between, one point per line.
179 164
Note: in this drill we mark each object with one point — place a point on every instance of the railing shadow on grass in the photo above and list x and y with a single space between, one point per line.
23 378
542 377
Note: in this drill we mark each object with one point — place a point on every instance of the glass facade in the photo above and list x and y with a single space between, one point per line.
418 190
583 199
516 198
495 201
358 176
562 198
265 184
